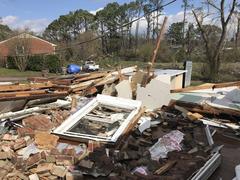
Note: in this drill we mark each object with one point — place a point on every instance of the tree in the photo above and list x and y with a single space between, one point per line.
191 40
156 4
109 20
20 50
186 5
67 27
237 16
139 4
213 52
175 33
147 8
5 31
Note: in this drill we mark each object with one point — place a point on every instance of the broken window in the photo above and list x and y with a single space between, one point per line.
104 118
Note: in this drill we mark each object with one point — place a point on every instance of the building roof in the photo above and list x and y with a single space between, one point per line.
26 35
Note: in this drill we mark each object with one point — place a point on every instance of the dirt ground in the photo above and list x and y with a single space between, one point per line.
230 157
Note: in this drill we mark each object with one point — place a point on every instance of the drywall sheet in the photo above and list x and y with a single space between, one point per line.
124 89
156 93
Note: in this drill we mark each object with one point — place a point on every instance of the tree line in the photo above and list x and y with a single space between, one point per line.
112 32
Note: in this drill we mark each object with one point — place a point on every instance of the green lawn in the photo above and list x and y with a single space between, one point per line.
228 71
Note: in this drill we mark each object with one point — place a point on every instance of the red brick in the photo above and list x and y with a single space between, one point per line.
34 160
45 140
38 122
5 155
24 131
55 151
37 46
19 143
70 152
65 160
44 167
9 137
59 171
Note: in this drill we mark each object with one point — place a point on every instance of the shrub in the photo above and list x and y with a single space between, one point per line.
10 63
35 63
52 62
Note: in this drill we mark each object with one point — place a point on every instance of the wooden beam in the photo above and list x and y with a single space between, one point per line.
154 57
24 87
208 86
90 77
165 167
60 94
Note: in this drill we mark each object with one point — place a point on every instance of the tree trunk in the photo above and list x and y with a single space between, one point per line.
130 36
237 33
137 30
184 21
214 69
103 40
148 30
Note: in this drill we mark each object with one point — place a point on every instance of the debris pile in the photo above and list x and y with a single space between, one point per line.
171 144
73 127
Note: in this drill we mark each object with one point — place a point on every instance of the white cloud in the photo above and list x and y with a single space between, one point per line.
38 25
9 20
35 25
95 11
178 17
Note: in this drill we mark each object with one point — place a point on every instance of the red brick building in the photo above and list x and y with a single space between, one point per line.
35 45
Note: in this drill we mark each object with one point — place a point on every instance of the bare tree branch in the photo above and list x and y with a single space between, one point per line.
213 5
234 3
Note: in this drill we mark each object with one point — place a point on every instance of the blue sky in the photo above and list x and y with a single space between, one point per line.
37 14
35 9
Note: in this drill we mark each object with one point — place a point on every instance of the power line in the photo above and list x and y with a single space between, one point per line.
107 31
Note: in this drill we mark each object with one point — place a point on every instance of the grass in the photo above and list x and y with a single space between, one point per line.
229 71
16 73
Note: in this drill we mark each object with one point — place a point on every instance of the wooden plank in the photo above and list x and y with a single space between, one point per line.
165 168
24 87
22 93
155 52
91 77
207 86
36 96
206 109
93 83
54 81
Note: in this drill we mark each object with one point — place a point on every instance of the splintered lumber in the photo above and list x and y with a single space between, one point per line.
54 81
155 52
83 85
207 86
57 104
90 77
24 87
96 82
58 94
165 168
206 109
22 93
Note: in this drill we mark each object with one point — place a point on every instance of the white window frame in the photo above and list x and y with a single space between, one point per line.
116 102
